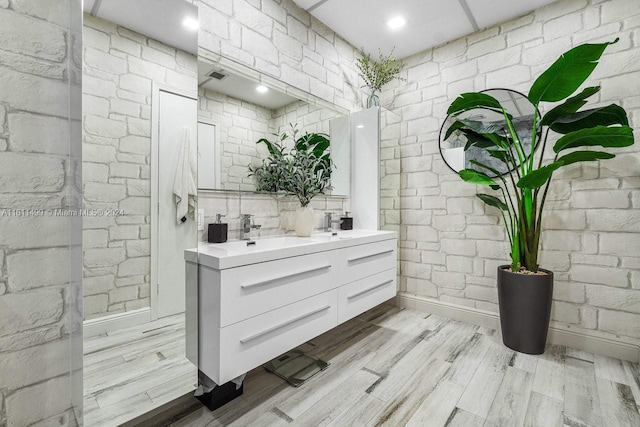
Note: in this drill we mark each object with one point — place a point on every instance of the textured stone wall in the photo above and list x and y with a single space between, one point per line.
390 177
120 67
239 124
39 79
306 117
278 38
452 244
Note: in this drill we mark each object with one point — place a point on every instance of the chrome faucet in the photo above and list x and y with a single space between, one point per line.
246 226
329 221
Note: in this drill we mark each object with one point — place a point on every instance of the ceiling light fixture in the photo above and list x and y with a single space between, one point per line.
397 22
262 89
360 126
190 23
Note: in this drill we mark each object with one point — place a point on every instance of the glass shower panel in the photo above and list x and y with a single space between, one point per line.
40 217
140 83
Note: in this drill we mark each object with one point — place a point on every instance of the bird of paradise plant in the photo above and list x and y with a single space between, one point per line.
524 189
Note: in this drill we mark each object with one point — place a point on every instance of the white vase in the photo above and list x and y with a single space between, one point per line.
304 221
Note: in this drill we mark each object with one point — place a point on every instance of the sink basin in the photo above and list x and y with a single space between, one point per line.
236 253
340 235
264 244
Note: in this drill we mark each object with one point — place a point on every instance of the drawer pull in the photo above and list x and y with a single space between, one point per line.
364 291
284 276
369 256
282 325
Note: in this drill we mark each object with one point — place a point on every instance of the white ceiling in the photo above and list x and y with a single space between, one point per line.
429 22
240 88
159 19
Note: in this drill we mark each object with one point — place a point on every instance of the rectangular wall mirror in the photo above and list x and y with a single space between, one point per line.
236 109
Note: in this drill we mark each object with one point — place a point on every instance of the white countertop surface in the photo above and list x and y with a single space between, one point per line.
236 253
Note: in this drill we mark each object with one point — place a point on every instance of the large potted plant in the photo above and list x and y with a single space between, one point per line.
524 289
303 171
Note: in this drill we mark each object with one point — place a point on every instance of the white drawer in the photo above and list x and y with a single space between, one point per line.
254 289
361 261
357 297
250 343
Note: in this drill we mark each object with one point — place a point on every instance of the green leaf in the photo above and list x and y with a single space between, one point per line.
454 127
472 100
475 177
475 139
606 116
483 140
500 155
487 167
537 178
602 136
584 156
566 75
274 149
569 106
493 201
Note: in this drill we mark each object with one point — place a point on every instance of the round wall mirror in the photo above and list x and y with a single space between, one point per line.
453 148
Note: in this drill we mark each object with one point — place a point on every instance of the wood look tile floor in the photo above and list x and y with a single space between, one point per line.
397 367
130 372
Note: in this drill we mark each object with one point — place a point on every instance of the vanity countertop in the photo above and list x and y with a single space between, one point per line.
236 253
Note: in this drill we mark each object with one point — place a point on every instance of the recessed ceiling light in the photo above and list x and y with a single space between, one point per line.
360 126
190 23
262 89
397 22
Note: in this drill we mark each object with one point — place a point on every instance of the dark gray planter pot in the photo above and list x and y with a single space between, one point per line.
525 309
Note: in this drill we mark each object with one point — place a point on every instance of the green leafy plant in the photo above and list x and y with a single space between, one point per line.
376 74
303 171
522 192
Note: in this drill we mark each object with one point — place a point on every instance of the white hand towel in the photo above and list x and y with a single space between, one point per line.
185 189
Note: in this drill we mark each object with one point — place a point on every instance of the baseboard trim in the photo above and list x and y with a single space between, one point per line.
114 322
574 339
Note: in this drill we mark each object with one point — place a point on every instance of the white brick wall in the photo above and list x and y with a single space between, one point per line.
38 319
286 42
119 69
592 232
239 125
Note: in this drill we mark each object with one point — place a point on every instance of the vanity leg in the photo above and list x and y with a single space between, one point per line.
221 395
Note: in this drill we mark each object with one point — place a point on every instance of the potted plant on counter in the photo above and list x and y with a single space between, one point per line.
304 171
524 289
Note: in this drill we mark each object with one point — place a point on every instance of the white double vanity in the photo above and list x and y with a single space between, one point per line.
253 302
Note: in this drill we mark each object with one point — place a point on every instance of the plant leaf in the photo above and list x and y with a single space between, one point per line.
620 136
487 167
610 115
567 73
274 149
493 201
472 100
483 140
475 177
584 156
569 106
454 127
537 178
